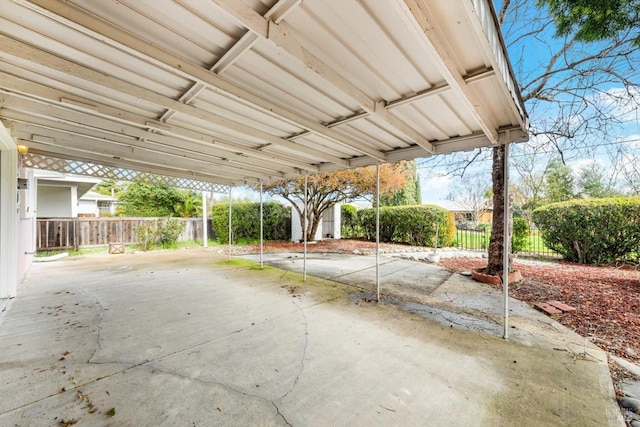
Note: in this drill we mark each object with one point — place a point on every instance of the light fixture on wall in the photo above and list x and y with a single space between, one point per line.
23 183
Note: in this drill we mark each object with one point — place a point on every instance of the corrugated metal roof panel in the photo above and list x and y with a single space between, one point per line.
316 84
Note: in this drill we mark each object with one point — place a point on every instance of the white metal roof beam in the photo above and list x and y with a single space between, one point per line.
483 23
128 146
436 40
279 34
461 143
224 148
180 65
110 130
132 166
427 93
231 56
277 13
438 90
45 59
58 152
67 142
39 161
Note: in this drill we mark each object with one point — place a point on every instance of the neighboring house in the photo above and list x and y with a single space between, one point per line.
464 216
93 204
58 194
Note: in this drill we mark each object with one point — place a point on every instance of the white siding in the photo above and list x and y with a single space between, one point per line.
56 202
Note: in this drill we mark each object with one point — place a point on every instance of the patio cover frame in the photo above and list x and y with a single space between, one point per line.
236 92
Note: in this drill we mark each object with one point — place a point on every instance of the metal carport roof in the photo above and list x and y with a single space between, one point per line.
234 92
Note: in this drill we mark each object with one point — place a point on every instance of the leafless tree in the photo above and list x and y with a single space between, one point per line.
474 196
573 92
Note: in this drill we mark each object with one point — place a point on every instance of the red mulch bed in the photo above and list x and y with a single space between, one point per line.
607 299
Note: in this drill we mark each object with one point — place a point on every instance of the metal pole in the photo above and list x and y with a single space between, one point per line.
261 229
229 257
506 244
304 231
378 232
205 237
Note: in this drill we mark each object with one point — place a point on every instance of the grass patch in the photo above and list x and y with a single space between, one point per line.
237 262
73 252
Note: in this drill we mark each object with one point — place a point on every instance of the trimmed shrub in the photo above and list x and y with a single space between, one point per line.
591 231
520 235
168 231
451 229
164 232
349 221
245 221
413 225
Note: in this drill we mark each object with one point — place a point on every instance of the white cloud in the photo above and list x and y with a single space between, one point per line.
435 185
579 164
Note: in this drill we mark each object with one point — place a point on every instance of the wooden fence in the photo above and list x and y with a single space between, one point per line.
67 233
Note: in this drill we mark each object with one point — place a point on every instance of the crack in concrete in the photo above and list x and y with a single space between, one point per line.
128 365
281 415
99 323
304 350
219 384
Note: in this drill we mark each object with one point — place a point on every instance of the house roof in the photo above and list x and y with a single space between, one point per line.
453 206
82 183
242 91
92 195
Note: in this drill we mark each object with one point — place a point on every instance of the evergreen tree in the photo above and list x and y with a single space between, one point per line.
150 201
559 182
593 183
409 194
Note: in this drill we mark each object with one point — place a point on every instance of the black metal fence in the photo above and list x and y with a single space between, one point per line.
477 239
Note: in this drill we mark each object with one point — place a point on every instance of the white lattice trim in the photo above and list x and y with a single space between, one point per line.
38 161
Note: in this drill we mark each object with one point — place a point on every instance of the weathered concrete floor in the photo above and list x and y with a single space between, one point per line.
181 338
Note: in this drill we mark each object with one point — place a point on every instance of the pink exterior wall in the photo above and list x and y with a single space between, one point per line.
26 247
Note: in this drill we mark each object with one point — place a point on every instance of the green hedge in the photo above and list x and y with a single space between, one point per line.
349 226
520 235
413 225
245 221
591 231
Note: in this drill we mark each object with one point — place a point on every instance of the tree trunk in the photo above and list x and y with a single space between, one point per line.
313 227
496 243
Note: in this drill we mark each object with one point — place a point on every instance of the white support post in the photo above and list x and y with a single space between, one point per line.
506 245
261 230
229 257
378 232
304 231
8 215
205 237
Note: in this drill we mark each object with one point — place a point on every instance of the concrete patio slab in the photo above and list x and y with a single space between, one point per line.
188 338
358 270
